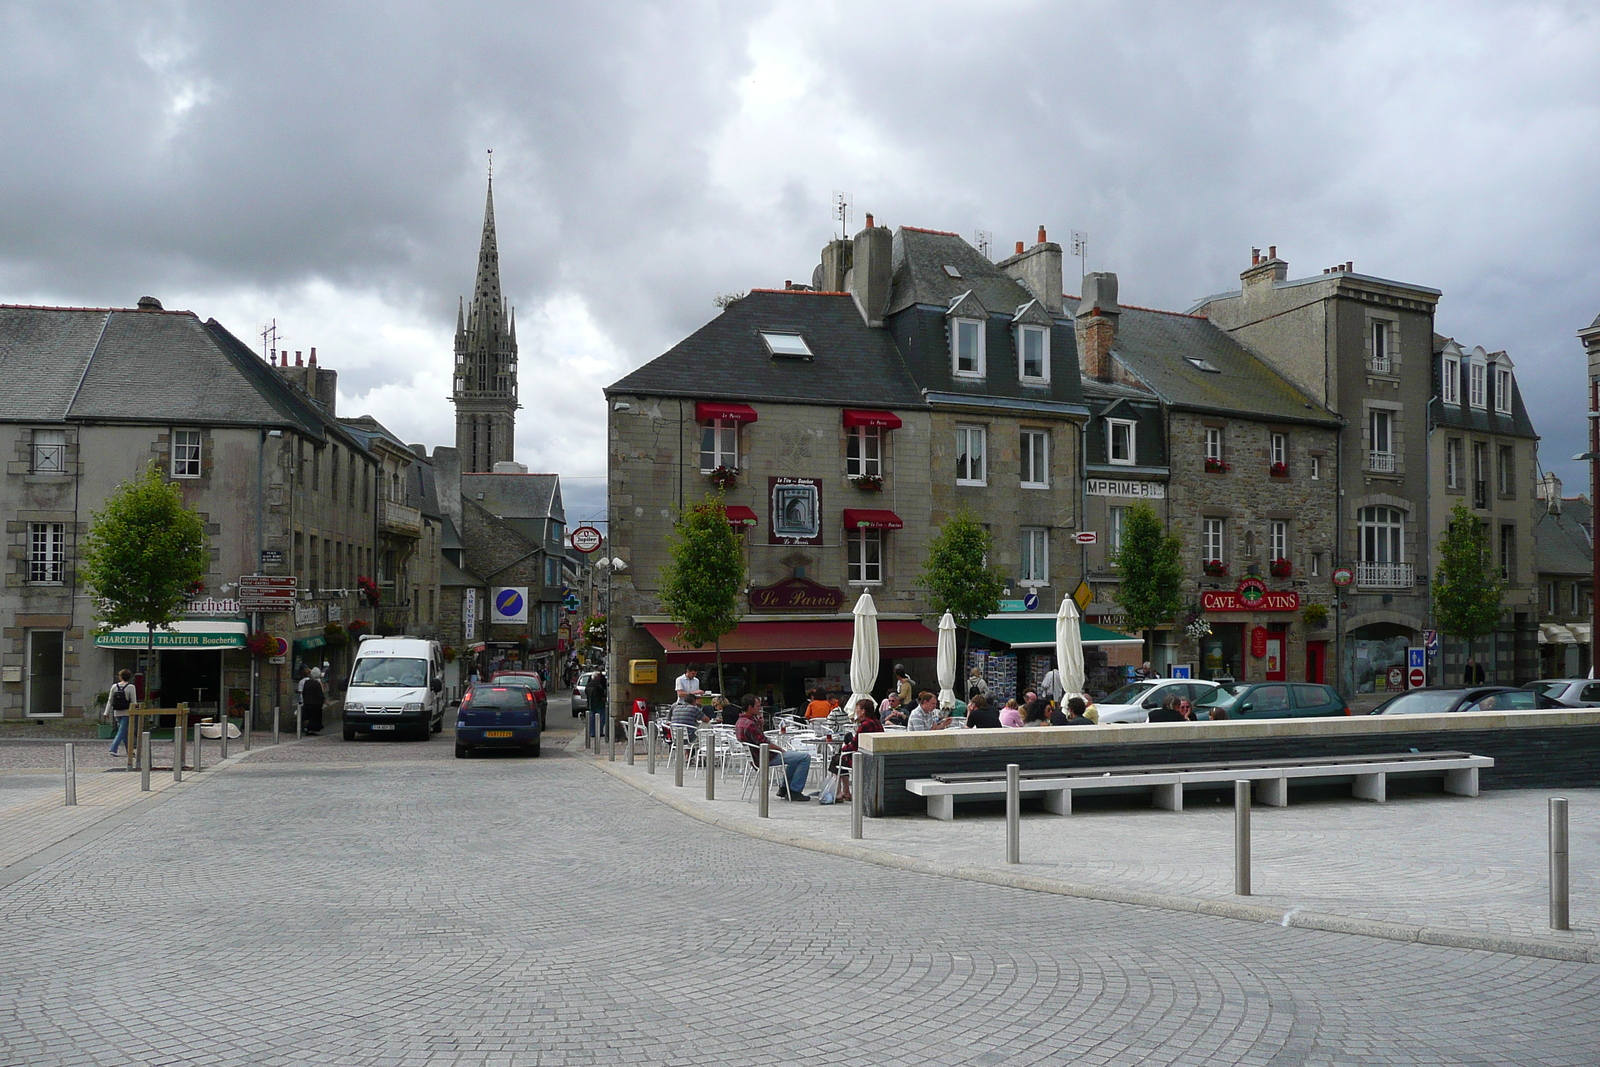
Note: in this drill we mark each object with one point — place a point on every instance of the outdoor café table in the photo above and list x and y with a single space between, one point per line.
136 727
824 745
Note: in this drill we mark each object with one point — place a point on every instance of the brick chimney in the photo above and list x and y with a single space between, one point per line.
870 271
1039 271
320 384
1263 272
1097 324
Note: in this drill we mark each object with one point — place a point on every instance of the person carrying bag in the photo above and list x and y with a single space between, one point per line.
123 696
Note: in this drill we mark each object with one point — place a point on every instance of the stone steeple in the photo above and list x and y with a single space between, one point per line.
485 386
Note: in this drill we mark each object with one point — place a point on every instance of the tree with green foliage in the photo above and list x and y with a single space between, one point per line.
1151 587
701 583
145 554
1466 584
957 574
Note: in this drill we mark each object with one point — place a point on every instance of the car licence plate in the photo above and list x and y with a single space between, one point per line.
384 726
497 733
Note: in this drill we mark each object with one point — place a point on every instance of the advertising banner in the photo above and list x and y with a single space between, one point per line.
509 605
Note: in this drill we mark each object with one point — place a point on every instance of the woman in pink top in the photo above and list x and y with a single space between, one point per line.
1010 715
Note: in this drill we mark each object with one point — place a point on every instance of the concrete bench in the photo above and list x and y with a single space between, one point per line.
1368 774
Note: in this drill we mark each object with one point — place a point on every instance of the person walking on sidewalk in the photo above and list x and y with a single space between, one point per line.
121 698
311 698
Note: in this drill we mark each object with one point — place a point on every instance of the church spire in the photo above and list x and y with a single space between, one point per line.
486 302
485 380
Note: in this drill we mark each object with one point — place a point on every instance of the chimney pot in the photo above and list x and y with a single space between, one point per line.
1019 247
149 303
1272 251
1350 265
1255 256
313 357
869 220
1041 235
298 362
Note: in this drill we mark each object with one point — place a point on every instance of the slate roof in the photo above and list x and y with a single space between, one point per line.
919 277
852 364
1156 346
1464 416
450 574
522 502
1560 544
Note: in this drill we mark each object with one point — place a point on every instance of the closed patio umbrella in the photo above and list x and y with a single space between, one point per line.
863 650
947 661
1069 648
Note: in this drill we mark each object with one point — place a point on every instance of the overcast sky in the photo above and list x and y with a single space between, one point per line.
323 165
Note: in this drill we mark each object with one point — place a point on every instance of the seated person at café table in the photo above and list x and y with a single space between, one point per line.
1036 713
1077 713
686 714
1011 715
866 723
890 702
819 705
796 765
980 716
926 715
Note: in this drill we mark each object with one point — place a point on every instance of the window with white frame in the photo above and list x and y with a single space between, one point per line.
966 347
865 556
1214 444
719 445
1380 439
1316 564
47 551
1380 346
1116 518
863 455
49 452
1382 534
1035 556
1452 463
1577 596
1279 451
1120 446
1316 468
1476 373
1507 470
1035 449
1211 531
1502 389
186 453
971 461
1278 534
1033 353
1551 605
1450 380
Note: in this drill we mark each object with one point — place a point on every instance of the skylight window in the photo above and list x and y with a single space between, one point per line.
786 345
1204 364
948 269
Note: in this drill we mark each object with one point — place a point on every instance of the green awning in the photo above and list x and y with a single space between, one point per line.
306 644
1039 631
185 633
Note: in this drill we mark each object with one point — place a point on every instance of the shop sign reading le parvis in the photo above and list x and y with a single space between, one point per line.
795 594
1231 601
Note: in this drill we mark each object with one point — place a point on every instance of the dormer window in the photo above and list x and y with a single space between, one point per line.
1477 373
966 347
1502 387
1450 379
786 345
1120 441
1033 353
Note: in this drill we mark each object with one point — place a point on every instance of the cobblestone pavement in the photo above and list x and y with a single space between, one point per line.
378 910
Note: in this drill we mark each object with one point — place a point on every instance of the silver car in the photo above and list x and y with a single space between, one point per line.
580 696
1572 692
1135 701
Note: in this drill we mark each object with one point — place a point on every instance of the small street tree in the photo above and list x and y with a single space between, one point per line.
1466 587
957 575
700 584
145 554
1151 587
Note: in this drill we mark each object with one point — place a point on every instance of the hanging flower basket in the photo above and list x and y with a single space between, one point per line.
449 653
1216 466
1215 568
1279 470
724 477
1316 615
1197 629
335 635
261 644
872 483
1281 568
368 589
356 628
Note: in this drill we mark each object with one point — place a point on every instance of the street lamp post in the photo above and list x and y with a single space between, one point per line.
610 565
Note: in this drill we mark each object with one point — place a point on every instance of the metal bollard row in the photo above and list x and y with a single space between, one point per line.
650 750
764 778
1013 813
198 737
144 761
71 776
1241 838
1560 886
677 757
711 764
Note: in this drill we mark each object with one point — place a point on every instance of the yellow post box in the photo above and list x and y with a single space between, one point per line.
642 672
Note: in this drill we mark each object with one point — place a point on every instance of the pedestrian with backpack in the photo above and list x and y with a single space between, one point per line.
124 694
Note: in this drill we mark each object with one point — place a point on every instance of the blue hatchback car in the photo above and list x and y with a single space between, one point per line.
497 716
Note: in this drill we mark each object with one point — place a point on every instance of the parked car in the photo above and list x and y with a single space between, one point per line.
532 680
1135 701
580 697
396 687
1571 692
1272 700
1443 701
496 715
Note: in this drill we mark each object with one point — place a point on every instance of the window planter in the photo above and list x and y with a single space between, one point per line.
1281 568
1279 470
1216 466
1215 568
368 590
724 477
871 483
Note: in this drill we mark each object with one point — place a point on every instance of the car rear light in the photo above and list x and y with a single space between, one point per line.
1349 711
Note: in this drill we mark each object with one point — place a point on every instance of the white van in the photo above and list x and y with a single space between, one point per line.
396 687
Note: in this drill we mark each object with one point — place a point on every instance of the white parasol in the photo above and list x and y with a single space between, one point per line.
947 661
863 651
1069 648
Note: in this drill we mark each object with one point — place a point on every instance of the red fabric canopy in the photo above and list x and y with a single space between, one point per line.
704 411
872 519
867 417
739 515
765 642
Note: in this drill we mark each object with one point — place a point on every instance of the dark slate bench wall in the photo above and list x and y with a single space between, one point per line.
1547 757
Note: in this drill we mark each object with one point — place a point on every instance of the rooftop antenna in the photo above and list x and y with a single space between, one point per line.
841 211
1080 248
984 239
269 340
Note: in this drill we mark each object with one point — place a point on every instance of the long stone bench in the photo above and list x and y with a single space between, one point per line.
1369 775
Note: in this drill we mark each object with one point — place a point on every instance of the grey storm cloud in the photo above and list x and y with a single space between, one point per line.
649 157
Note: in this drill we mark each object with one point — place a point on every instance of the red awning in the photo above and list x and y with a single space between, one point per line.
871 519
867 417
767 642
739 515
704 411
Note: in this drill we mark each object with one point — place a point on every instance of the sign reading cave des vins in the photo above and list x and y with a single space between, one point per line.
1125 487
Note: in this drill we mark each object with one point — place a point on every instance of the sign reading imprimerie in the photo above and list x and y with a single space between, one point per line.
1113 487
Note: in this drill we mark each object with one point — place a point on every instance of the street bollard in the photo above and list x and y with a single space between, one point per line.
763 776
222 744
197 739
1560 887
1241 838
276 723
650 749
631 740
72 776
299 723
855 795
588 730
249 724
179 733
711 764
611 743
144 761
1013 813
677 757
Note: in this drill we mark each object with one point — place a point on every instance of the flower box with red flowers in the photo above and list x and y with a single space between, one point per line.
1216 466
872 483
356 628
368 588
1215 568
724 477
1279 470
1281 568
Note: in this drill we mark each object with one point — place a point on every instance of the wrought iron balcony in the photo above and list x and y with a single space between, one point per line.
1384 575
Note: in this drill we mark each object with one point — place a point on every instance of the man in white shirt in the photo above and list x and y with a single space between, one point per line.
926 716
688 686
